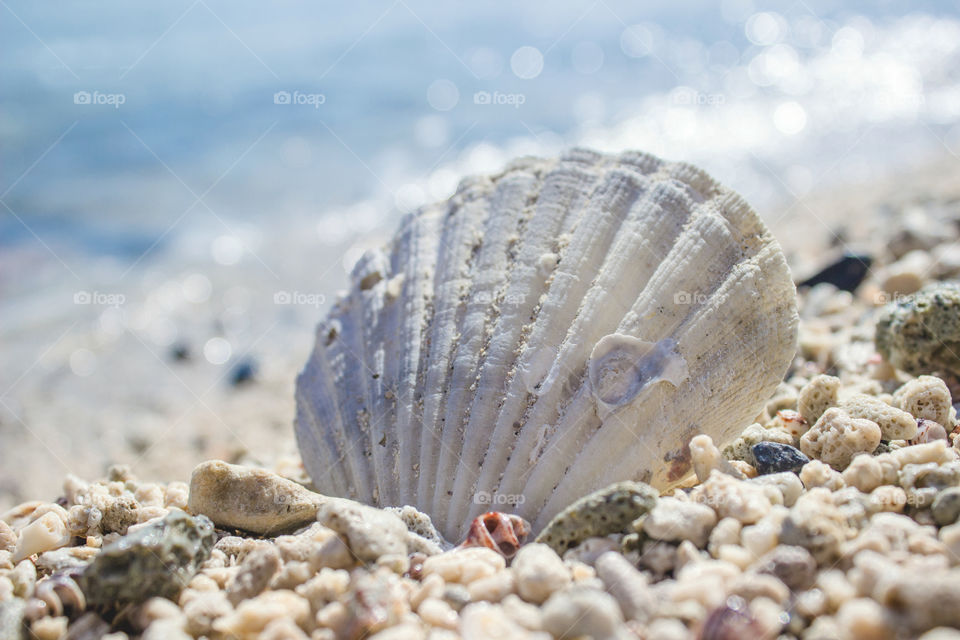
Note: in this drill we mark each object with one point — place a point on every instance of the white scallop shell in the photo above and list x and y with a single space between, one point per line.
547 331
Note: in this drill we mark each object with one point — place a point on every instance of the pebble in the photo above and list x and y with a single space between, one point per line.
464 566
627 585
863 619
786 482
946 507
774 457
815 531
251 499
609 510
729 497
157 560
846 273
580 611
485 621
11 619
539 572
837 437
792 565
254 574
864 472
673 520
706 457
370 533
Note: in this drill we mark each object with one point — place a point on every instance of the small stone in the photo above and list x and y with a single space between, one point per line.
773 457
706 457
787 482
120 514
629 586
815 531
744 500
11 619
864 472
464 566
731 621
846 273
539 572
254 574
946 507
369 532
609 510
817 396
837 437
250 499
895 424
673 520
928 431
921 334
793 565
157 560
581 611
485 621
863 618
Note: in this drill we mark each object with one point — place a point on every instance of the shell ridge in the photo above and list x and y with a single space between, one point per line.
481 311
609 201
457 256
555 213
417 286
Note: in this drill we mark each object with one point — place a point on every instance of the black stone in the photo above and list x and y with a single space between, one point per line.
179 352
846 273
243 372
774 457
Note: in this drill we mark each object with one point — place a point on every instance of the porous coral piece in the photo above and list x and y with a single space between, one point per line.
895 424
817 396
921 334
926 397
837 437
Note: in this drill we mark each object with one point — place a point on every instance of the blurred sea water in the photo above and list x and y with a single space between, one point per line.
200 175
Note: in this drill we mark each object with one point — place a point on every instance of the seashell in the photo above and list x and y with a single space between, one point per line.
549 330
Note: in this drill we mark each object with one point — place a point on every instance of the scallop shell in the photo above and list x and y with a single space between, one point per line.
546 331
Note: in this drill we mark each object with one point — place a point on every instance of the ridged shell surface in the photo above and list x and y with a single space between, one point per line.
562 325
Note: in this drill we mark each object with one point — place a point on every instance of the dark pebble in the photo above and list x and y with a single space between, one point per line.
179 352
845 274
774 457
243 372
